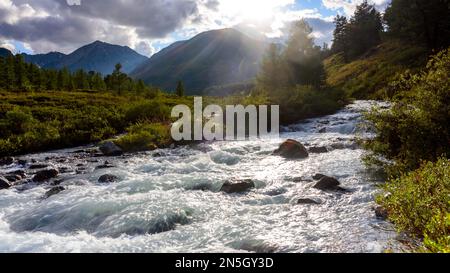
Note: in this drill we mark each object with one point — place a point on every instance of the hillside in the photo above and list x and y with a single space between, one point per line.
98 56
369 75
212 58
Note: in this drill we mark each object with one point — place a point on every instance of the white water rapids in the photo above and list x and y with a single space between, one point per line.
169 200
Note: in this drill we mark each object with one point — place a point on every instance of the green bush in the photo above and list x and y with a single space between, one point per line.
417 127
147 111
145 137
419 203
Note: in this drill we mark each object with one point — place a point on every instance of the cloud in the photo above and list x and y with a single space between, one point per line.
64 25
348 6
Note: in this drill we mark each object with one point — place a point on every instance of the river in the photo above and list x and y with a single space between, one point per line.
170 200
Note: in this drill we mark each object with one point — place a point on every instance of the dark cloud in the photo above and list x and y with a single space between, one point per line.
70 24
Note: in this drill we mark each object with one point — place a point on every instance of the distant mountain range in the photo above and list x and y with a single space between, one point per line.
98 56
212 58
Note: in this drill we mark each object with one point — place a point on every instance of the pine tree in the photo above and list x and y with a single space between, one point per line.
180 89
422 22
340 35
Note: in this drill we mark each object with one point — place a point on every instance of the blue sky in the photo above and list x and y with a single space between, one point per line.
41 26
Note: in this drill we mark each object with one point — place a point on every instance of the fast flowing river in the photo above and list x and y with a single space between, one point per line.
170 200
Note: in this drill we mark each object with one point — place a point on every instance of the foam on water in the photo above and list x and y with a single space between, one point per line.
172 202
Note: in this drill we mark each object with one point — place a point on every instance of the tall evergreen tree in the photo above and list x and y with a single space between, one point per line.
340 35
425 22
180 89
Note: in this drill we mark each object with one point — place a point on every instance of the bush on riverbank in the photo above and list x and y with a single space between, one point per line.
414 130
145 137
417 127
419 203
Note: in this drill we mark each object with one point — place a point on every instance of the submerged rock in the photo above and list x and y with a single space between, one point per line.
307 201
4 183
20 173
108 178
292 149
13 178
38 166
327 183
45 175
6 161
237 186
318 150
110 149
54 190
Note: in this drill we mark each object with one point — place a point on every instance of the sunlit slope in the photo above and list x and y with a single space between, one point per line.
212 58
368 76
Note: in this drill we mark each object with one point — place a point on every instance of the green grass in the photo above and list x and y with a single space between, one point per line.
370 75
419 203
40 121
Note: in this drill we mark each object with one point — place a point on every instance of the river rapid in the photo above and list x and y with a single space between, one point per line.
169 200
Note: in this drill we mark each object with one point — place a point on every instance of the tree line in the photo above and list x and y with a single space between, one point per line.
17 75
420 22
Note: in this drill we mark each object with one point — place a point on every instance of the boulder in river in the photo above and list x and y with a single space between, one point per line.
318 176
4 183
327 183
237 186
292 149
108 178
54 190
6 161
45 175
13 178
109 148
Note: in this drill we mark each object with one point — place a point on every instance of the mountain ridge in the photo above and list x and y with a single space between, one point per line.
97 56
211 58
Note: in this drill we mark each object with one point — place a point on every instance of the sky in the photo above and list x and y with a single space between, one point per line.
41 26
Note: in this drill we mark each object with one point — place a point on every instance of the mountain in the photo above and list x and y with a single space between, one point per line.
98 56
212 58
5 52
49 60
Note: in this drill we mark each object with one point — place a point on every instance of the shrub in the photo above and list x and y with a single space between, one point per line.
147 111
144 137
419 203
417 127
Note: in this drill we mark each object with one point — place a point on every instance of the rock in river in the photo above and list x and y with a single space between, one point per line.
327 183
108 178
54 190
110 149
318 150
292 149
237 186
307 201
45 175
4 183
6 161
